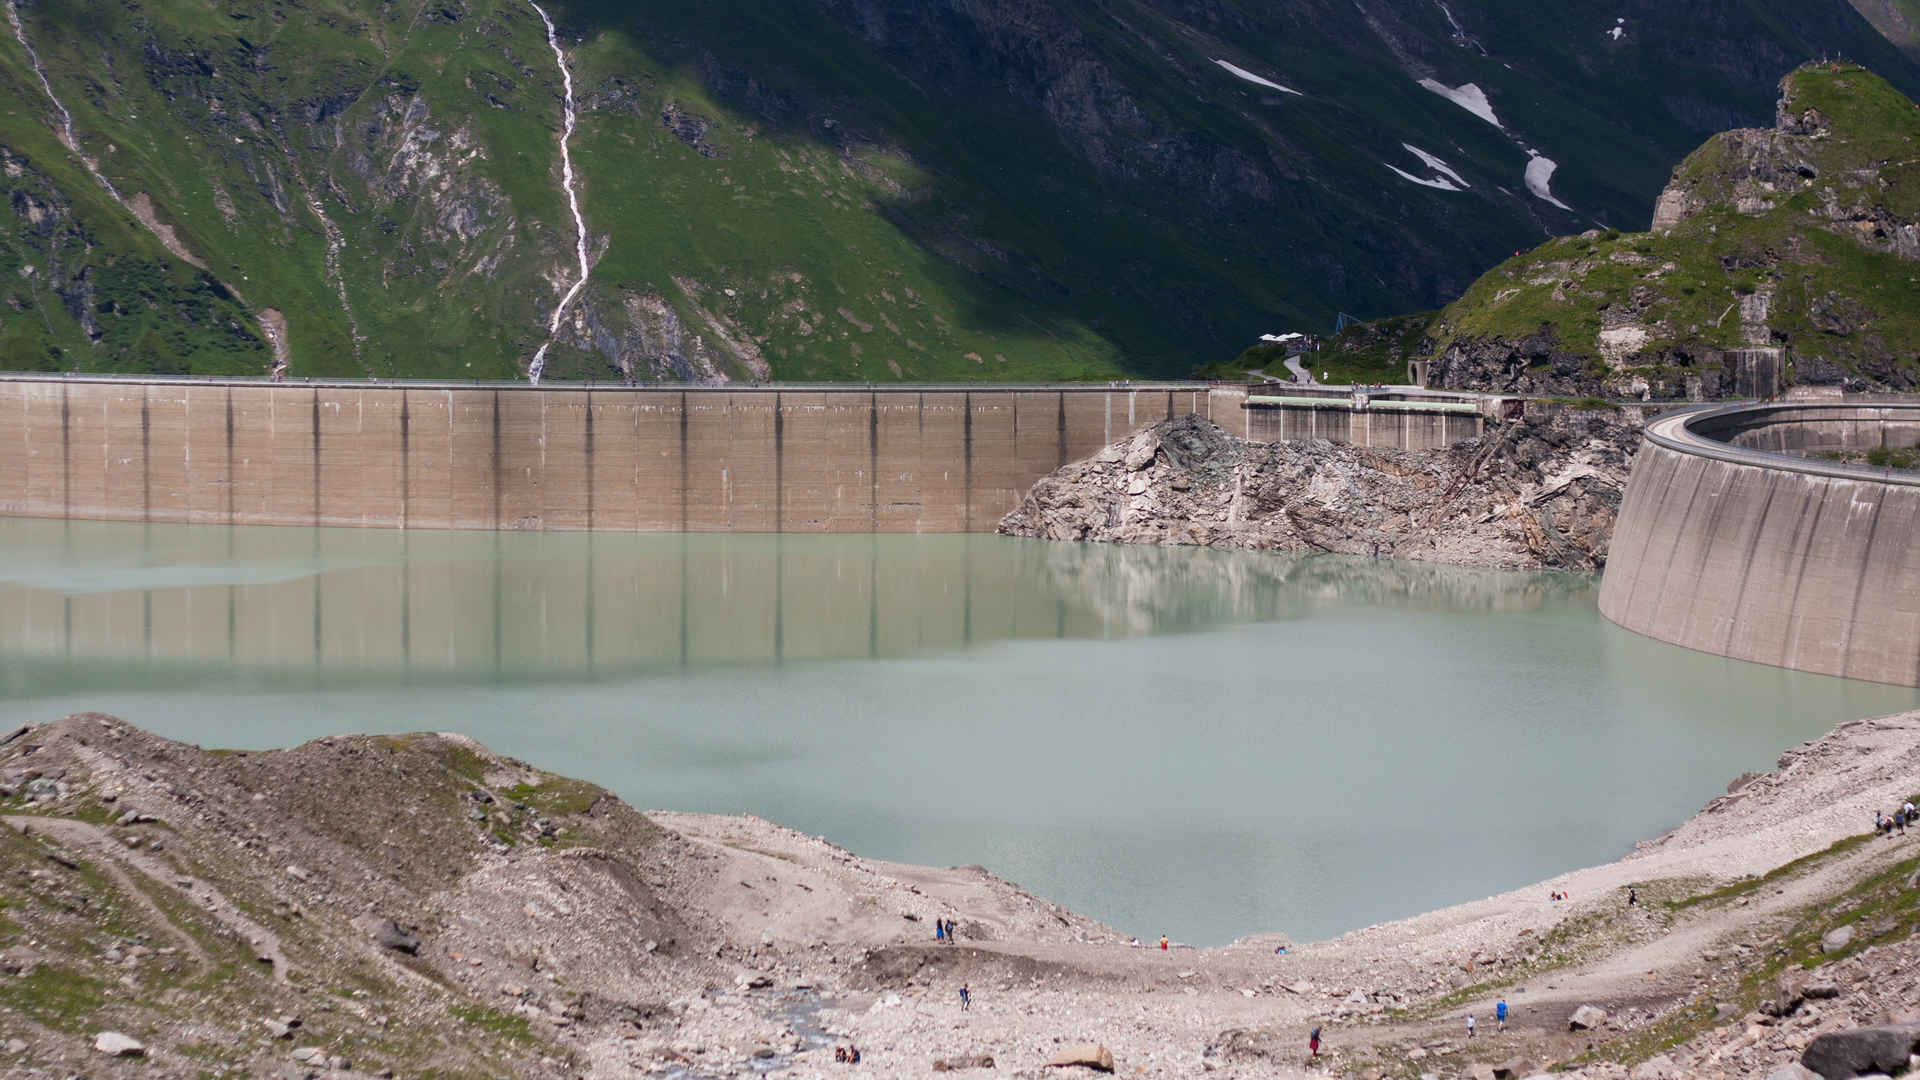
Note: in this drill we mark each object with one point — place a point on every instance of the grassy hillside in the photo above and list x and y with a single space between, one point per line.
1800 238
830 189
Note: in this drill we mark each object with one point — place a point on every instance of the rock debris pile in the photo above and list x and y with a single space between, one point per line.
1541 492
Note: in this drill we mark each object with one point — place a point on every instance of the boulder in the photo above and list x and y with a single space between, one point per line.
963 1061
388 934
1586 1018
1789 990
1843 1055
1793 1072
1836 939
1824 990
114 1044
1517 1069
1090 1055
1658 1067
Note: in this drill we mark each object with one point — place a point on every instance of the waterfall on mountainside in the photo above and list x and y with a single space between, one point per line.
66 118
573 201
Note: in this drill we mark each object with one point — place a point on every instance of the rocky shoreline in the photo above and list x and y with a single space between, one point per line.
387 906
1537 493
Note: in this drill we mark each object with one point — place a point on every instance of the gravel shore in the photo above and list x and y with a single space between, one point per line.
421 903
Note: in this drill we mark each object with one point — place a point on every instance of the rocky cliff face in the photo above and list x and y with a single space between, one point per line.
1777 256
1536 493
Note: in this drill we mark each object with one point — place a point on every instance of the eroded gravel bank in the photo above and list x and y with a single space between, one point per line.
199 901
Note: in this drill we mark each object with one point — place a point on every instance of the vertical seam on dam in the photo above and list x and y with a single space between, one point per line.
406 459
66 456
1860 584
316 481
494 463
966 455
1679 534
232 484
1060 423
589 468
1746 557
1816 500
146 457
779 475
684 473
873 461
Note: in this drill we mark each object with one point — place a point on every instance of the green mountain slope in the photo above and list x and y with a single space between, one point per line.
840 189
1793 251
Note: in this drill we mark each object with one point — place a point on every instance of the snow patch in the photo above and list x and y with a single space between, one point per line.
1252 78
1437 183
1540 175
1436 164
1468 96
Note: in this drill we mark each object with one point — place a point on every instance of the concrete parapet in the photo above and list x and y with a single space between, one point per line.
1392 420
1727 544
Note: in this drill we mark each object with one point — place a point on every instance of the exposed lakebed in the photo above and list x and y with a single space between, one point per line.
1201 743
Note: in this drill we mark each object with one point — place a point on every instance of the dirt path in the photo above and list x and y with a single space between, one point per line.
111 853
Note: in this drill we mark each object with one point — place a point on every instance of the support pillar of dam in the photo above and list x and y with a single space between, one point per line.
1736 538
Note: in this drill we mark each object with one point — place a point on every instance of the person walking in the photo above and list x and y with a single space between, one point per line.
939 929
1500 1013
966 999
1469 1025
1163 943
1633 896
1313 1043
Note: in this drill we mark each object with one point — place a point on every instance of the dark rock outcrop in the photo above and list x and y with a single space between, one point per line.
1842 1055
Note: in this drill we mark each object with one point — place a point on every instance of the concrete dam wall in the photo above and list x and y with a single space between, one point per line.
840 459
639 459
1432 422
1728 544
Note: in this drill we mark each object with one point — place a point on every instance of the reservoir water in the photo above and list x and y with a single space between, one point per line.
1192 742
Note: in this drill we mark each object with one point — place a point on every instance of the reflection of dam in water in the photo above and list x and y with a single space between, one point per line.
453 604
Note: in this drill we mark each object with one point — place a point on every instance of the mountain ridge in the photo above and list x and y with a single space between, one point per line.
838 189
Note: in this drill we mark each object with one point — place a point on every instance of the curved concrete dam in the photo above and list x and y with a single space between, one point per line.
1730 542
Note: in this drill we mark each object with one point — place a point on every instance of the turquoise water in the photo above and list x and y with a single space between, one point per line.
1199 743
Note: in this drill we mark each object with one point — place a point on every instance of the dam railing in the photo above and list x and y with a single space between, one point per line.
1688 436
1178 385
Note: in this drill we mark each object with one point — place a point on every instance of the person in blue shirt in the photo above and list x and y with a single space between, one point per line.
1500 1013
